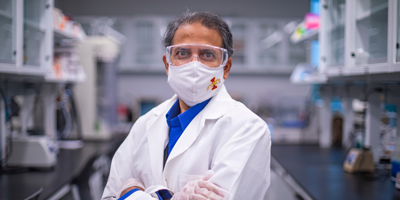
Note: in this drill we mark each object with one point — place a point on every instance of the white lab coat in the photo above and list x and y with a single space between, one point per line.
225 137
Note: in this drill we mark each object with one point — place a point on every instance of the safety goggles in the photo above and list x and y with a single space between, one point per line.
211 56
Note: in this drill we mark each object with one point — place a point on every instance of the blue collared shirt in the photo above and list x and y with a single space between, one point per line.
178 122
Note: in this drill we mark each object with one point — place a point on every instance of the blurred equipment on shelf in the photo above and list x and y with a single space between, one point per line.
359 160
66 62
103 26
33 151
96 96
63 25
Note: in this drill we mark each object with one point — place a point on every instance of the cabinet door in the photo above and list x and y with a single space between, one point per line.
333 23
397 28
269 45
299 53
371 32
147 44
7 31
34 32
238 30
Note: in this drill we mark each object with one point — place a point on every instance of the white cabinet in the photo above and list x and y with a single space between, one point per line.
260 45
36 34
25 36
332 31
28 36
359 37
395 39
7 35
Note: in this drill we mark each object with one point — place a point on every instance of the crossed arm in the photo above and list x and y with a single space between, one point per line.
201 189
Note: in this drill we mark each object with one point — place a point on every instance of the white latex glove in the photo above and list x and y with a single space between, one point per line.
130 183
208 190
201 189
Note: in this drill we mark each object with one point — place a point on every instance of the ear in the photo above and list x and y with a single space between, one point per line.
227 68
164 58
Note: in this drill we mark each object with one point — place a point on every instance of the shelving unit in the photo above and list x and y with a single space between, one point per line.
27 38
360 56
367 41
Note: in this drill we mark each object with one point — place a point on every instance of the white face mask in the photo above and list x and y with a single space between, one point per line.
194 82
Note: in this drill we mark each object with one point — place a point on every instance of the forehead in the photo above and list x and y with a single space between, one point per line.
197 33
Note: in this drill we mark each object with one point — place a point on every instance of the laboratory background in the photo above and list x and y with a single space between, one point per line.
323 74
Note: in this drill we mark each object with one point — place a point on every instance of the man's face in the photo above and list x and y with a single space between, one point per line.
199 34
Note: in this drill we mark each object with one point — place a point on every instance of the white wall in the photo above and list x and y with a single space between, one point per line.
232 8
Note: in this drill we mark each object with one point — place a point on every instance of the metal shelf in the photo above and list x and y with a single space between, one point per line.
21 70
63 35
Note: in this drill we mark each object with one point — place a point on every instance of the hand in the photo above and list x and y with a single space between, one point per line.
201 190
208 190
130 184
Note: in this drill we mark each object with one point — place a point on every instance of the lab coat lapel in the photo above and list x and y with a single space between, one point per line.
157 138
215 109
187 138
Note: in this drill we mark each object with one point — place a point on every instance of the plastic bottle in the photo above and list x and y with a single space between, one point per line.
395 160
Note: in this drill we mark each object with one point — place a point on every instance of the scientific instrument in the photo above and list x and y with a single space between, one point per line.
359 160
33 151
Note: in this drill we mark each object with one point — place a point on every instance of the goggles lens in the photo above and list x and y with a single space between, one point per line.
211 56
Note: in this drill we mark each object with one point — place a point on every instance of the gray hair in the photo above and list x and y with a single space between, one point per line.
207 19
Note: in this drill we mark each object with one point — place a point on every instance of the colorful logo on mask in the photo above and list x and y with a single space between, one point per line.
213 84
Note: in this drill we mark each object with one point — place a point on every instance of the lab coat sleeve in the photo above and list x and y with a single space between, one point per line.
140 195
122 166
242 166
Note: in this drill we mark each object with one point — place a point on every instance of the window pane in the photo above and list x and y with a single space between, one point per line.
398 33
145 43
6 32
34 18
371 31
239 43
335 32
298 53
268 44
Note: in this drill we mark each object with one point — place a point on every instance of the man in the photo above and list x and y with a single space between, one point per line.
200 144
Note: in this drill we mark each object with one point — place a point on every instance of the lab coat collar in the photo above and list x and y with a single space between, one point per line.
215 109
218 105
157 129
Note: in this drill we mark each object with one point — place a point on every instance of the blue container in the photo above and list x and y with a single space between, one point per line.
395 168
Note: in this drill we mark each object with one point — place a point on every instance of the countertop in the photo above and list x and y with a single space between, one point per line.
70 164
319 172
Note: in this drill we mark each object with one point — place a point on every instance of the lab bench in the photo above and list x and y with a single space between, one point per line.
70 166
318 174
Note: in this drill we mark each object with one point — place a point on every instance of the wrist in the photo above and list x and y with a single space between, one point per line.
129 189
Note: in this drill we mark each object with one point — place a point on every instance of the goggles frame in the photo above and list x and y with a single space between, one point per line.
224 52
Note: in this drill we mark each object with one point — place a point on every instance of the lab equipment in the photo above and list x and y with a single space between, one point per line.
395 160
397 185
359 160
33 151
96 96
